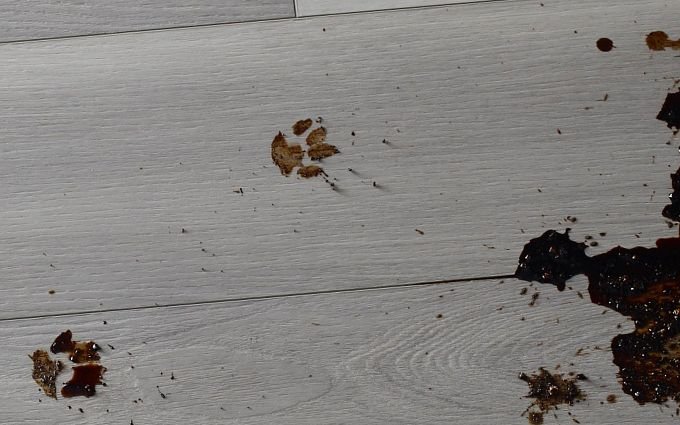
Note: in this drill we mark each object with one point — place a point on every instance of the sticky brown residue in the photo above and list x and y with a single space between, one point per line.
659 40
672 210
45 371
321 150
670 111
605 44
78 351
84 381
286 156
549 390
309 171
317 135
302 126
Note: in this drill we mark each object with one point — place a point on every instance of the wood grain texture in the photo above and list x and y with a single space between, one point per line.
112 145
371 357
325 7
35 19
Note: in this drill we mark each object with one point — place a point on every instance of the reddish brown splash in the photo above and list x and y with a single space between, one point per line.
84 381
549 390
302 126
641 283
286 156
78 351
659 40
605 44
45 371
670 112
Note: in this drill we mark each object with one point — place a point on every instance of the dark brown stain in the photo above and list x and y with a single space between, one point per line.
605 44
302 126
611 398
670 111
549 390
78 351
45 371
672 210
309 171
317 135
286 156
321 150
659 40
84 381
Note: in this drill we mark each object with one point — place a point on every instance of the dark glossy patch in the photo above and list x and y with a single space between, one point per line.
84 381
605 44
78 351
670 111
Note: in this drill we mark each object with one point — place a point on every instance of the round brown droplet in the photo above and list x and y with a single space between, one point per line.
605 44
657 40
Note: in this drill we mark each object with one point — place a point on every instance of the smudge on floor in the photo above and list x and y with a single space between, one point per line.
286 156
317 135
309 171
84 380
321 150
659 40
78 351
670 112
45 371
605 44
302 126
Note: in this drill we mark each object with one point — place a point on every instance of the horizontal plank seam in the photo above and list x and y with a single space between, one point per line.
218 24
260 297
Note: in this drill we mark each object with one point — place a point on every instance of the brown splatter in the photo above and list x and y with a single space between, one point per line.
84 380
670 111
605 44
321 150
549 390
45 371
309 171
659 40
611 398
286 156
78 351
317 135
302 126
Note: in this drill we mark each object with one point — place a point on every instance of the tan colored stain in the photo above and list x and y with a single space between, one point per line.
321 151
302 126
659 40
45 371
309 171
317 136
286 156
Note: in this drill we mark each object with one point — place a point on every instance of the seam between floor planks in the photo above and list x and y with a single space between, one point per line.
255 21
260 297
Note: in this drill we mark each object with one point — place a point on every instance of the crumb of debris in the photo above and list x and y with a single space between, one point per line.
523 291
317 135
45 371
535 418
302 126
321 151
420 232
51 292
659 40
286 156
309 171
534 297
550 390
439 316
559 131
611 398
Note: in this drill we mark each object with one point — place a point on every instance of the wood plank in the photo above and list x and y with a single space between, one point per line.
370 357
326 7
36 19
112 145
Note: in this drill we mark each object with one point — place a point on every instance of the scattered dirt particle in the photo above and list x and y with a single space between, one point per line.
439 316
611 398
659 40
302 126
321 151
45 371
317 135
534 297
420 232
549 391
523 291
309 171
605 44
286 156
559 131
51 292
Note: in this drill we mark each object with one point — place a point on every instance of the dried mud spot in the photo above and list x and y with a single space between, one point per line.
321 151
302 126
605 44
84 381
317 135
549 391
309 171
659 40
45 371
78 351
670 112
286 156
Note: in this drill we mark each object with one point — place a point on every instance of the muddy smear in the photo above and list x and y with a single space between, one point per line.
605 44
84 381
317 135
549 390
45 371
309 171
286 156
321 150
78 351
302 126
659 40
670 112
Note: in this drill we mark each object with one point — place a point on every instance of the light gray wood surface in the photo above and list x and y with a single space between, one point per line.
371 357
112 145
34 19
323 7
